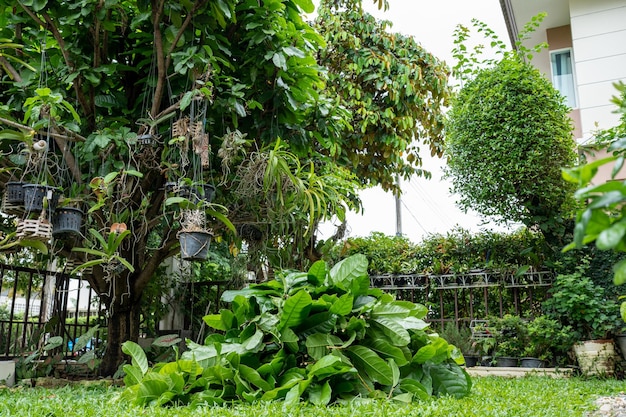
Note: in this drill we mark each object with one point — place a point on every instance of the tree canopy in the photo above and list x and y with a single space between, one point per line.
508 136
123 106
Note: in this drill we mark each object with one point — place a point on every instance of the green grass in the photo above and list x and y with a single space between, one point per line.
491 396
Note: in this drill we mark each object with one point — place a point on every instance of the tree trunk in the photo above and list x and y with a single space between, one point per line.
123 325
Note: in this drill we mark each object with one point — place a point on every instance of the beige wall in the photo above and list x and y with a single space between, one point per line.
604 172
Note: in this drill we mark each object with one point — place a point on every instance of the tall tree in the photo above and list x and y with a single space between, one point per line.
508 136
229 92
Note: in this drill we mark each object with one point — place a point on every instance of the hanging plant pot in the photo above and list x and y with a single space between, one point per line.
34 195
15 192
13 198
207 192
194 246
146 140
39 229
66 220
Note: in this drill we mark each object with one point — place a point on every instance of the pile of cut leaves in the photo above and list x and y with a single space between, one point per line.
320 336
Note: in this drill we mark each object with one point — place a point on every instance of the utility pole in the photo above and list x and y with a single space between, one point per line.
398 208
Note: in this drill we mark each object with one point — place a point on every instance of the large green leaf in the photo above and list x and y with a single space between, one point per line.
387 350
415 388
612 236
397 335
307 6
320 395
318 323
152 387
367 362
390 310
449 379
295 309
343 305
254 377
85 338
348 269
317 273
138 356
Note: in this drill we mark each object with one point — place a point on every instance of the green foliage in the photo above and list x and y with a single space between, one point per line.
319 336
548 339
460 337
577 302
508 136
190 75
457 251
511 335
372 74
602 219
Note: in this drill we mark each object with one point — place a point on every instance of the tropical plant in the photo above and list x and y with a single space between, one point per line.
508 137
316 336
372 75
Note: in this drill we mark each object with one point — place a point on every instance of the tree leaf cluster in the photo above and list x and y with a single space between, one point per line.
318 336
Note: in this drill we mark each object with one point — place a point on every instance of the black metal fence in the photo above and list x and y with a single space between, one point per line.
31 299
36 305
461 298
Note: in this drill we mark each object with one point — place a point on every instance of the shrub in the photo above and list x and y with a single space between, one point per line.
318 336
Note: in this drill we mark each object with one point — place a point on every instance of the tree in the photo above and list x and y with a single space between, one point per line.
508 136
149 97
394 89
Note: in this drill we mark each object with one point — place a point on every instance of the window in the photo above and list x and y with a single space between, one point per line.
563 75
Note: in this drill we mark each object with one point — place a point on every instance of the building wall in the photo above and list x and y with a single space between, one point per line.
561 38
598 29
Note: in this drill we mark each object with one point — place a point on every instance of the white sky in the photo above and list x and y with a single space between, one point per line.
427 205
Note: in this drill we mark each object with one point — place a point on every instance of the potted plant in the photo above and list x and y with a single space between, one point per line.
193 236
511 335
483 341
548 342
461 338
620 341
577 302
68 215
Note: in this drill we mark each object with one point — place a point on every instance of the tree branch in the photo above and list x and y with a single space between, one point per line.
157 11
15 76
183 27
16 125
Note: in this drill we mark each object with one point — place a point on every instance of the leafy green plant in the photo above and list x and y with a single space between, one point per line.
511 334
508 137
317 336
577 302
548 339
41 358
108 254
460 337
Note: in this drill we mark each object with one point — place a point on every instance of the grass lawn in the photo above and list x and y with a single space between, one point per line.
491 396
